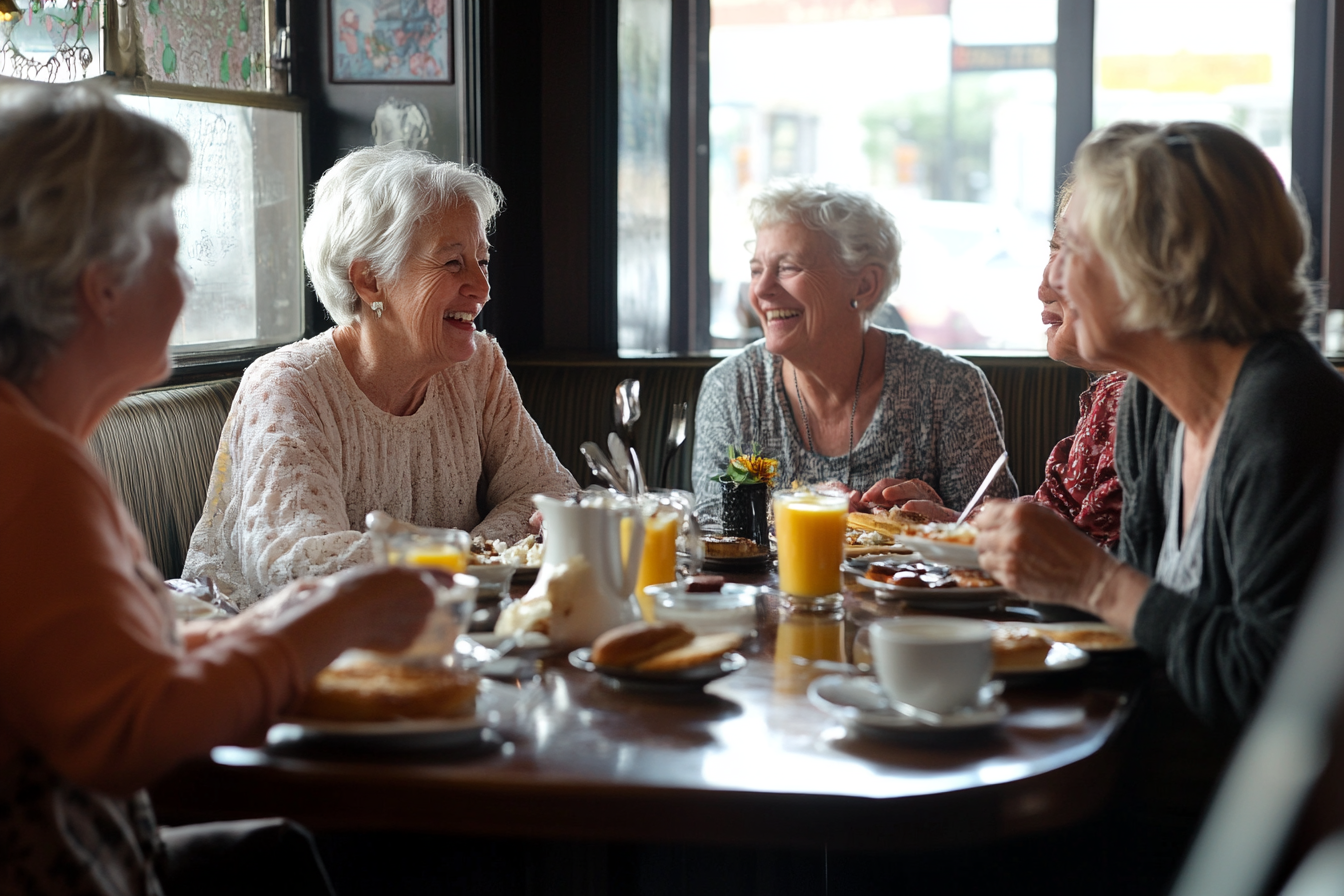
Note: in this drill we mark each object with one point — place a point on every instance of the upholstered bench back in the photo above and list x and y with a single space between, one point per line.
157 446
572 403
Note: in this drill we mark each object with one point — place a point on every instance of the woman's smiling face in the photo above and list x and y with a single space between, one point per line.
443 286
798 290
1061 341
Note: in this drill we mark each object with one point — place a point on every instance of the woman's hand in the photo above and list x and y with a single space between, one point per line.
374 607
836 487
888 493
1034 552
935 512
384 607
534 523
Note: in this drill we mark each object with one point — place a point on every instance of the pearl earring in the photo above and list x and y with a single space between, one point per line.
377 308
854 303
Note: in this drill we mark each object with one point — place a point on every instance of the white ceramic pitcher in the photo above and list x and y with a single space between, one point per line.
593 599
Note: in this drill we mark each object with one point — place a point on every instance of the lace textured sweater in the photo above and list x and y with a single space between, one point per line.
305 455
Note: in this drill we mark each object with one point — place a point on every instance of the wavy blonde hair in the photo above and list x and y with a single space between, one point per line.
1197 227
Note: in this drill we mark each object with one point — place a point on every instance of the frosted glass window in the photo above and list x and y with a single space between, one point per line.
239 219
643 287
944 111
57 42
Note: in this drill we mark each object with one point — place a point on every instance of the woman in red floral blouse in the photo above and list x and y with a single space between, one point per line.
1080 480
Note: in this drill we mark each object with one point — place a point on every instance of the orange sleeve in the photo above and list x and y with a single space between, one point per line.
90 674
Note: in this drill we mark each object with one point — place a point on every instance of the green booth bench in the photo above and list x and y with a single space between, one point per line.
157 446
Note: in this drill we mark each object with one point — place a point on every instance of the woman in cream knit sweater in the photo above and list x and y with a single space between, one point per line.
404 407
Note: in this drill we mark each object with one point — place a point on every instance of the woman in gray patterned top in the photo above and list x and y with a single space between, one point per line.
835 399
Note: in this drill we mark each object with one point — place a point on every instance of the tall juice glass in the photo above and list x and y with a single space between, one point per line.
810 535
665 515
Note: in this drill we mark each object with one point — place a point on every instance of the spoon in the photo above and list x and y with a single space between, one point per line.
676 436
601 466
984 487
627 412
620 459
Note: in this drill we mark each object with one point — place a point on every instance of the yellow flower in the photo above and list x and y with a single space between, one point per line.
763 468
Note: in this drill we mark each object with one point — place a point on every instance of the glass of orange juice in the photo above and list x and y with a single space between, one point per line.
810 536
445 549
667 514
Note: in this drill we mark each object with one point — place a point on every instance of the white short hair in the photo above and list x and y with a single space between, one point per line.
83 179
368 205
861 228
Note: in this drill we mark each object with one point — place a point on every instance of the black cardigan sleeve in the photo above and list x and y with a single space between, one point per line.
1267 505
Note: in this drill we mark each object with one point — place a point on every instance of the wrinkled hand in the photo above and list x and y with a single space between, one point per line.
383 607
935 512
1034 552
534 523
892 492
836 487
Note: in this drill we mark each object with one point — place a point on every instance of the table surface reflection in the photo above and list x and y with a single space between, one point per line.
742 763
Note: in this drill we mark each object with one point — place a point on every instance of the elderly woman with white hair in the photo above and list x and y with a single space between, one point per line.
101 692
403 407
1182 255
877 413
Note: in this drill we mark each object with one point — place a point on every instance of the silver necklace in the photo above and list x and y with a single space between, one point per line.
853 411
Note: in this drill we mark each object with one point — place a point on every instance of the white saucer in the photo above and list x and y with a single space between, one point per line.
860 704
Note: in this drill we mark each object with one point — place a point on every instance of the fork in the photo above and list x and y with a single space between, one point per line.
676 436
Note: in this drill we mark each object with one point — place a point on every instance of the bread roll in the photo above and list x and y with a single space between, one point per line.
378 692
702 649
628 645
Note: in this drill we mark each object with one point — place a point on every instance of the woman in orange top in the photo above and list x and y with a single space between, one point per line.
100 691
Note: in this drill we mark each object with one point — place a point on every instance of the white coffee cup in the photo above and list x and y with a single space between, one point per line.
934 663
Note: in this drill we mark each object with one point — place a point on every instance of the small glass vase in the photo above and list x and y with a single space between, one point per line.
746 511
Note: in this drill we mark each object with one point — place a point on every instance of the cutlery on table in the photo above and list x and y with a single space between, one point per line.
626 406
620 459
676 436
601 466
984 487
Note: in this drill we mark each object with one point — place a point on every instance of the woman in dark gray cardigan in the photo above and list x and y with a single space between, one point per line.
1183 257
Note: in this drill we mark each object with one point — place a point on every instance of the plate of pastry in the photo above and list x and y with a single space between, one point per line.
369 705
660 656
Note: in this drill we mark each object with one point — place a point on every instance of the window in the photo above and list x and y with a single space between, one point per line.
1229 61
206 73
947 111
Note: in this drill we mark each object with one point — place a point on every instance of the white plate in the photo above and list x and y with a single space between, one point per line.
1061 658
861 706
491 572
964 555
402 734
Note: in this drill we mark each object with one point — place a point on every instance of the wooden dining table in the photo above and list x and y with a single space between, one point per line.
745 762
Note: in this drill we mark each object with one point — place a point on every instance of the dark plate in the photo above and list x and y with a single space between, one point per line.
692 679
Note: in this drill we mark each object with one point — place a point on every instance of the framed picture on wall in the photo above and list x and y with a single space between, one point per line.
391 41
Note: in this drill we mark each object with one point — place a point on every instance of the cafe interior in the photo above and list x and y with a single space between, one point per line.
855 722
